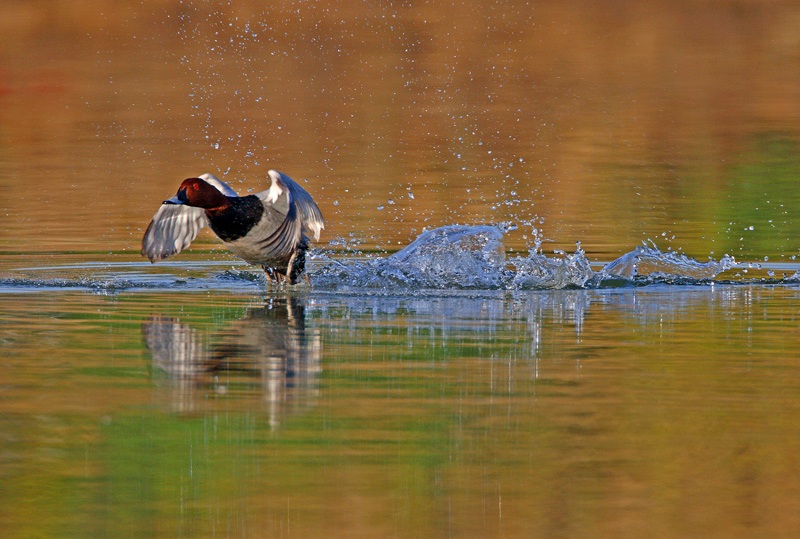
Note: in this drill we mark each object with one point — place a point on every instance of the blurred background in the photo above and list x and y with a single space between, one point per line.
604 122
187 400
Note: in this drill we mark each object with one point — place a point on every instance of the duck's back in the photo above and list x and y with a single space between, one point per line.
273 233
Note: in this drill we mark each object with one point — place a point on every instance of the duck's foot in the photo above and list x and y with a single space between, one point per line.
296 267
295 270
273 276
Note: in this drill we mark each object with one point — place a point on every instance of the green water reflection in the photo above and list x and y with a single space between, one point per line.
545 414
661 411
758 204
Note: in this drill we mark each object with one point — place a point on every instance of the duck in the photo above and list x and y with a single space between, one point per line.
266 229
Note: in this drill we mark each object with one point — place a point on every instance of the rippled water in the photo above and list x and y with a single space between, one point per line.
441 390
444 259
470 412
556 296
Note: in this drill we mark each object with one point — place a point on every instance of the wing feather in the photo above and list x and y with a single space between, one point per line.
172 229
307 208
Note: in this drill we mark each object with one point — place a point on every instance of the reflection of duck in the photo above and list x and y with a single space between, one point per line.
265 229
270 344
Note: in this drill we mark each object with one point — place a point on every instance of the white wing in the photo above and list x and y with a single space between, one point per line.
175 226
308 209
172 229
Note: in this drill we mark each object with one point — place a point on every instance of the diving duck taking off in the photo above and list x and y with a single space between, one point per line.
265 229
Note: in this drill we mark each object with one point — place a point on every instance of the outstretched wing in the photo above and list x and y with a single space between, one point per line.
175 226
308 209
172 229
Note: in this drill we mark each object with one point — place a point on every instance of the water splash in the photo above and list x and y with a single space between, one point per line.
649 264
456 257
460 257
450 258
540 272
473 257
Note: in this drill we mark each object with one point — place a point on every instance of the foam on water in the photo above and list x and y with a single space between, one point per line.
448 258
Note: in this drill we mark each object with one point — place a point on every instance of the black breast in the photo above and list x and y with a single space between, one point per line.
238 219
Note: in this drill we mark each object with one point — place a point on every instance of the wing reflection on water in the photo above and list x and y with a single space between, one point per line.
274 352
268 350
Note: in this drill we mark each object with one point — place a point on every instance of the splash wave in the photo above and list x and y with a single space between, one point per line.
449 258
460 257
473 257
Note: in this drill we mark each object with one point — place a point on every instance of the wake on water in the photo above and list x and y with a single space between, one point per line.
473 257
447 258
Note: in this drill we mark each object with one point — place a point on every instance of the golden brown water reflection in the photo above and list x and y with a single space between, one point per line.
184 401
570 413
613 122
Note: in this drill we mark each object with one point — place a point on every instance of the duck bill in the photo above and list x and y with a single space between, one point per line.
179 198
173 200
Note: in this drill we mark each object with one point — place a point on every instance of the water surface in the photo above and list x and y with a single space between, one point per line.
479 413
602 341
